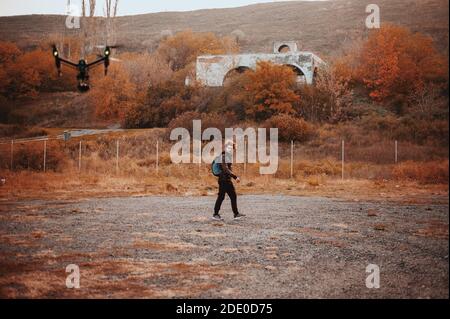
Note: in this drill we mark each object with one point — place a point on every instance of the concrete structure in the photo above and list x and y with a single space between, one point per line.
213 70
285 47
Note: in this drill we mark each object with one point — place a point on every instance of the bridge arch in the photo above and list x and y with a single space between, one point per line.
301 77
232 73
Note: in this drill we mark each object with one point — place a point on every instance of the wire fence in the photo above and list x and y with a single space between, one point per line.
107 155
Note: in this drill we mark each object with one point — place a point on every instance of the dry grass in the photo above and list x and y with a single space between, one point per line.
184 181
427 173
315 171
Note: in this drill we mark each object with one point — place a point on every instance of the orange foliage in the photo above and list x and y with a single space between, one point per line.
433 172
8 52
33 72
25 74
396 61
146 69
290 128
114 94
164 102
182 49
22 73
220 121
271 89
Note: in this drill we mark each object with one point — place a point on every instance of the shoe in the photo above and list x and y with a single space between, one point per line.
217 217
239 216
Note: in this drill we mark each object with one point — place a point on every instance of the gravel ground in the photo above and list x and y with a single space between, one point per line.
168 247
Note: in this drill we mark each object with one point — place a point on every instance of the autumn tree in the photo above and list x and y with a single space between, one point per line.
114 94
395 61
8 54
182 49
146 69
24 74
232 97
329 97
163 103
271 90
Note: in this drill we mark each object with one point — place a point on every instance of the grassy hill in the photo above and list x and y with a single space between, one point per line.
322 27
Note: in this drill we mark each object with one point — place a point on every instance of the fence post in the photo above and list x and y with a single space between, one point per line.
79 158
343 158
292 159
12 155
117 156
245 157
200 160
396 151
45 155
157 156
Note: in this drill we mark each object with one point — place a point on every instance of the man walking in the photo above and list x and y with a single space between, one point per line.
225 183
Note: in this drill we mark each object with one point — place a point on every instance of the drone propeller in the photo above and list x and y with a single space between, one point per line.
110 58
117 46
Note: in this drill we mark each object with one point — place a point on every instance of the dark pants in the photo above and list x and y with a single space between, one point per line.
226 187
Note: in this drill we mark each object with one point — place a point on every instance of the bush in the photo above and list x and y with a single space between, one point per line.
31 156
19 131
291 128
5 109
435 172
163 103
219 121
329 99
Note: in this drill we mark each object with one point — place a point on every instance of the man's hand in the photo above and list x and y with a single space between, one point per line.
238 180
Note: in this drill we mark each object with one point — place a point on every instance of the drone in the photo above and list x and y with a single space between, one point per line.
83 66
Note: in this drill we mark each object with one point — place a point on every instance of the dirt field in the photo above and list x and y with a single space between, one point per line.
166 247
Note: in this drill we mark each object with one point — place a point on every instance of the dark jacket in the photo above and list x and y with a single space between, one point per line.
226 174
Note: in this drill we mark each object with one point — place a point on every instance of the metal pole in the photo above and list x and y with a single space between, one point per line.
117 156
157 156
79 159
200 160
45 155
292 159
245 157
343 158
396 152
12 155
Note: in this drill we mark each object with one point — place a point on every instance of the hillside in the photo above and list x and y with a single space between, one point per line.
318 26
321 27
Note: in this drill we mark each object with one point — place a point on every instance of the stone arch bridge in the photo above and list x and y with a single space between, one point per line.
213 70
